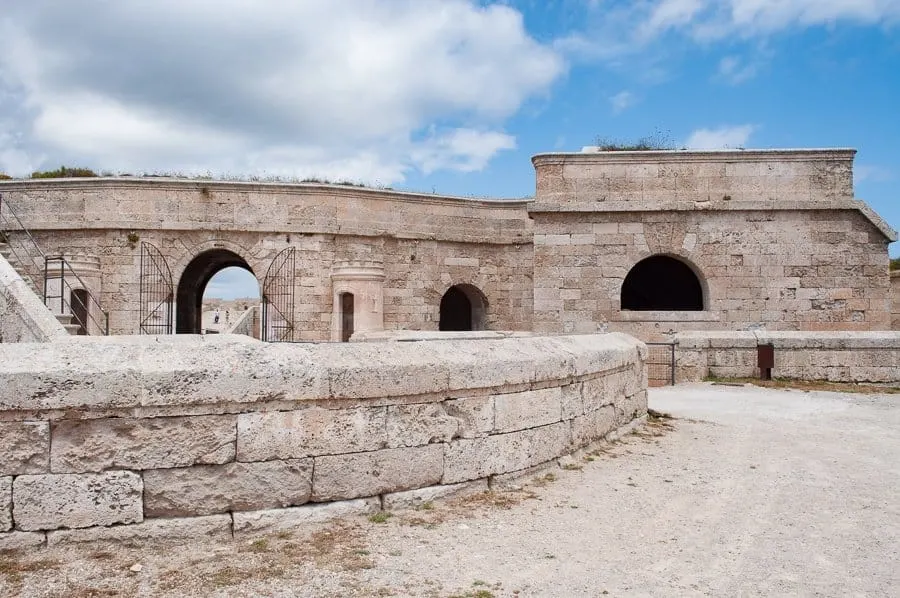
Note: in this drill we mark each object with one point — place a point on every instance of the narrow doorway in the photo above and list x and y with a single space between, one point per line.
346 316
79 306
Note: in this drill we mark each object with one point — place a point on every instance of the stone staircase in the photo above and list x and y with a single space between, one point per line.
10 256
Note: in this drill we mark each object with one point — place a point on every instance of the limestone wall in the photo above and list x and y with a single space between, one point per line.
425 243
895 294
131 437
831 356
23 316
775 238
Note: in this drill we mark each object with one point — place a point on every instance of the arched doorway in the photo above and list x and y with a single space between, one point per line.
662 283
197 274
463 307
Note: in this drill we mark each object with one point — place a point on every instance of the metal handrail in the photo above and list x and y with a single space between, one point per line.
65 306
28 246
9 222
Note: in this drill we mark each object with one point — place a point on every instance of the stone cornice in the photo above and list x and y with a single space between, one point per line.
719 206
171 184
693 156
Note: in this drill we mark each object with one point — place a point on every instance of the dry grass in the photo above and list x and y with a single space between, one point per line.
851 387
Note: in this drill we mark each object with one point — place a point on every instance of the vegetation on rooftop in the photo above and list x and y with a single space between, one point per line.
895 263
657 140
63 172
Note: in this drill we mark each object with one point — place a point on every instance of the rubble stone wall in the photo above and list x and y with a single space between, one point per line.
813 356
134 436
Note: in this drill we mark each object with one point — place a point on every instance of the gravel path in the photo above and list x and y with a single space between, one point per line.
748 491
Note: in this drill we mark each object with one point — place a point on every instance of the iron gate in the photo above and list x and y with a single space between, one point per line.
661 364
278 298
156 294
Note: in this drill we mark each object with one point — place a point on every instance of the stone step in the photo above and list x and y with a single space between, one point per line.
66 320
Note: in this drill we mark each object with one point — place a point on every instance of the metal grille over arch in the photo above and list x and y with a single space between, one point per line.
156 292
662 283
278 298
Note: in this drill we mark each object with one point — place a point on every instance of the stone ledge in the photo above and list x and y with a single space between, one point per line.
188 529
22 540
286 520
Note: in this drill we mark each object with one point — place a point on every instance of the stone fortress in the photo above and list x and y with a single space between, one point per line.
648 243
500 334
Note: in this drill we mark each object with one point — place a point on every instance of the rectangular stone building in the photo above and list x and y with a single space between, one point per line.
656 242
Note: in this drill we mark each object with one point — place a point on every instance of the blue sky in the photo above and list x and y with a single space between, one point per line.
446 95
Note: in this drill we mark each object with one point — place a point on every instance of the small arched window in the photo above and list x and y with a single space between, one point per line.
463 307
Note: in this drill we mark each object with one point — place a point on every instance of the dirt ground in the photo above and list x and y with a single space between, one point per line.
748 491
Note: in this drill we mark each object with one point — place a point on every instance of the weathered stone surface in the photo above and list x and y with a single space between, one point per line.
5 504
209 489
602 391
517 480
470 459
416 498
572 400
23 316
53 501
148 443
290 519
633 407
21 540
415 425
593 425
309 432
475 415
190 529
367 474
528 409
24 447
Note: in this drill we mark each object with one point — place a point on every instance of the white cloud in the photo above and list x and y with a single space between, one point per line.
341 89
622 101
735 70
232 283
869 172
720 138
613 30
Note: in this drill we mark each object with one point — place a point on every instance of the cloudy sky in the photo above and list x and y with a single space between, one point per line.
445 95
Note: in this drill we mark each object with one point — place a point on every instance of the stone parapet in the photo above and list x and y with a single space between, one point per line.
134 437
23 316
813 356
137 204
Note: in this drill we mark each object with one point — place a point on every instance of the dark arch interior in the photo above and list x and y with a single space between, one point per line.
463 307
189 300
662 283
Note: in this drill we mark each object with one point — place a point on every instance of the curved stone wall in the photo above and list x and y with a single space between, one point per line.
132 436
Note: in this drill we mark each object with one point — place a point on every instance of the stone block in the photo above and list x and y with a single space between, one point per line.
594 425
633 407
288 520
5 504
475 415
309 432
24 448
21 540
419 424
529 409
340 477
146 443
185 529
471 459
415 498
209 489
53 501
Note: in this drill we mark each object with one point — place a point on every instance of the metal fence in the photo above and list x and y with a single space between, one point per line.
661 364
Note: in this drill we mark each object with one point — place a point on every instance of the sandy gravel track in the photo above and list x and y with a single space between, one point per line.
750 492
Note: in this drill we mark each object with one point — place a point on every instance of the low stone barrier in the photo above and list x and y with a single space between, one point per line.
831 356
23 315
185 436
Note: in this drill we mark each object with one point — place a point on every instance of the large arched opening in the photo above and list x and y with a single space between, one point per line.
662 283
194 280
463 307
